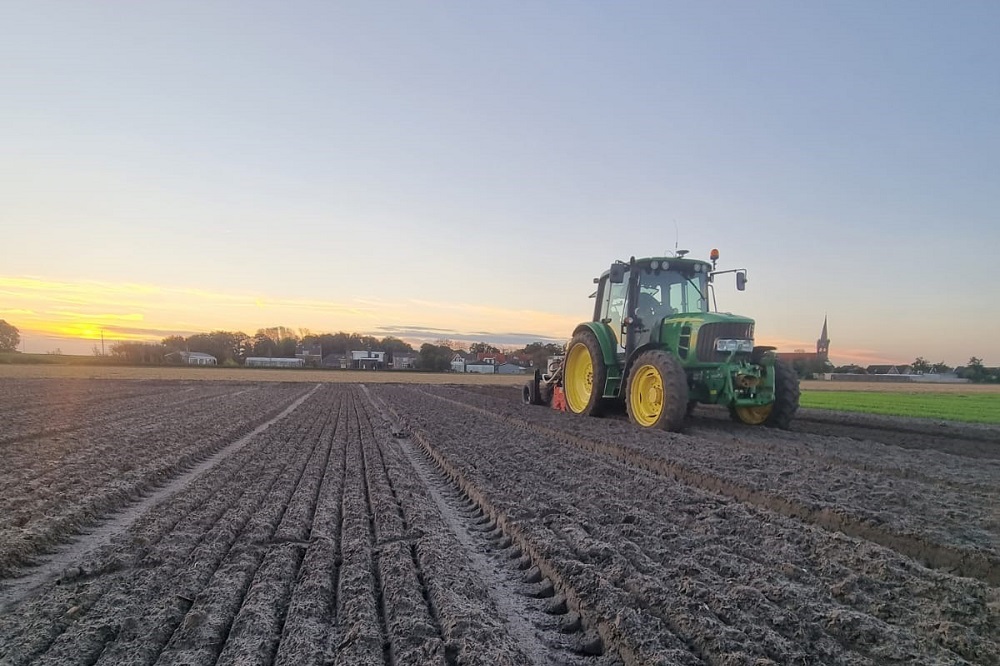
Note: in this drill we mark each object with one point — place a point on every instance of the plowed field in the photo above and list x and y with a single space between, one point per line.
172 522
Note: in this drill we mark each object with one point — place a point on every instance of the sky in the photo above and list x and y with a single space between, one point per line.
463 170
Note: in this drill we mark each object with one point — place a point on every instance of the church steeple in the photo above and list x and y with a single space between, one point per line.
823 344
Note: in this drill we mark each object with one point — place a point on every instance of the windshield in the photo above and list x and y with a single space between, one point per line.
665 293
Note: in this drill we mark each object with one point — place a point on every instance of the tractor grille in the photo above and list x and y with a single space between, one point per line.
709 333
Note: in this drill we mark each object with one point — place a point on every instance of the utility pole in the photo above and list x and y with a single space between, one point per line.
102 342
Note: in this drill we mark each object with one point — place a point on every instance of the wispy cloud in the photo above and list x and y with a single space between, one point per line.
427 334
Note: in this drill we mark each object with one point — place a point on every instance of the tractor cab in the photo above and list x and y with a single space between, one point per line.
635 298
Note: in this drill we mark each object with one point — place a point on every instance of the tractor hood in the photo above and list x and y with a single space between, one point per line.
708 337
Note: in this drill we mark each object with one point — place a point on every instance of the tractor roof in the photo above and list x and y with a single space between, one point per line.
682 264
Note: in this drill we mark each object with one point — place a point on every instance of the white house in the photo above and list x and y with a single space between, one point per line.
194 358
368 360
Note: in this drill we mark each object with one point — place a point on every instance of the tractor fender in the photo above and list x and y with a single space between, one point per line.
639 350
609 351
606 338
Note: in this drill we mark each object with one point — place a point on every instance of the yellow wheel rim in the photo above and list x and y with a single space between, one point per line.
754 415
579 378
646 396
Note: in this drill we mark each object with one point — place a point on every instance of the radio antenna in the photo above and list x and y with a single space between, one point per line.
677 237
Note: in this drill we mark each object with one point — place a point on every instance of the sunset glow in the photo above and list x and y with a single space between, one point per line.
73 315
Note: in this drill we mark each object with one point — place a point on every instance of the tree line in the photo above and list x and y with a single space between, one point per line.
233 348
974 370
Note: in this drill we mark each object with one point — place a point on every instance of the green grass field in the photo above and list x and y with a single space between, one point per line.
970 407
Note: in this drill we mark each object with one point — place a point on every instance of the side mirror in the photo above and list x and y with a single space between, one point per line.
741 281
617 275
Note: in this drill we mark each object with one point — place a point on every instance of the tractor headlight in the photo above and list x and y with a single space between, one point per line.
728 345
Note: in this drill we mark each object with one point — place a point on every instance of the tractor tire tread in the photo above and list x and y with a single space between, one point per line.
675 388
595 404
786 396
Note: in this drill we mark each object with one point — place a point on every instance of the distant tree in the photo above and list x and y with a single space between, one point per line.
262 345
278 333
541 351
10 337
920 365
223 345
138 353
450 344
175 343
286 348
940 368
483 348
974 370
811 367
391 344
851 369
434 358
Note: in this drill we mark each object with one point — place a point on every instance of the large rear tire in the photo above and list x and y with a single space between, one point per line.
657 391
779 413
584 374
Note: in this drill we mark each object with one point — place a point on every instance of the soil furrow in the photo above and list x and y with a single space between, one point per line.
412 630
373 536
110 482
360 634
202 635
474 606
313 602
507 465
392 525
961 561
142 568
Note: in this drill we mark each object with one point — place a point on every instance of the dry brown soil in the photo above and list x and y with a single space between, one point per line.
14 371
162 521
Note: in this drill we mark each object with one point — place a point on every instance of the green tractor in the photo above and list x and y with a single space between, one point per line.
656 346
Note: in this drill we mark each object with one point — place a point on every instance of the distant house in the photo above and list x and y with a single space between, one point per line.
311 354
481 368
267 362
404 360
368 360
522 359
509 369
497 358
889 370
338 361
191 358
458 362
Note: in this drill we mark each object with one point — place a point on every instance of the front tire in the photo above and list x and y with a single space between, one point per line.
779 413
584 374
657 391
